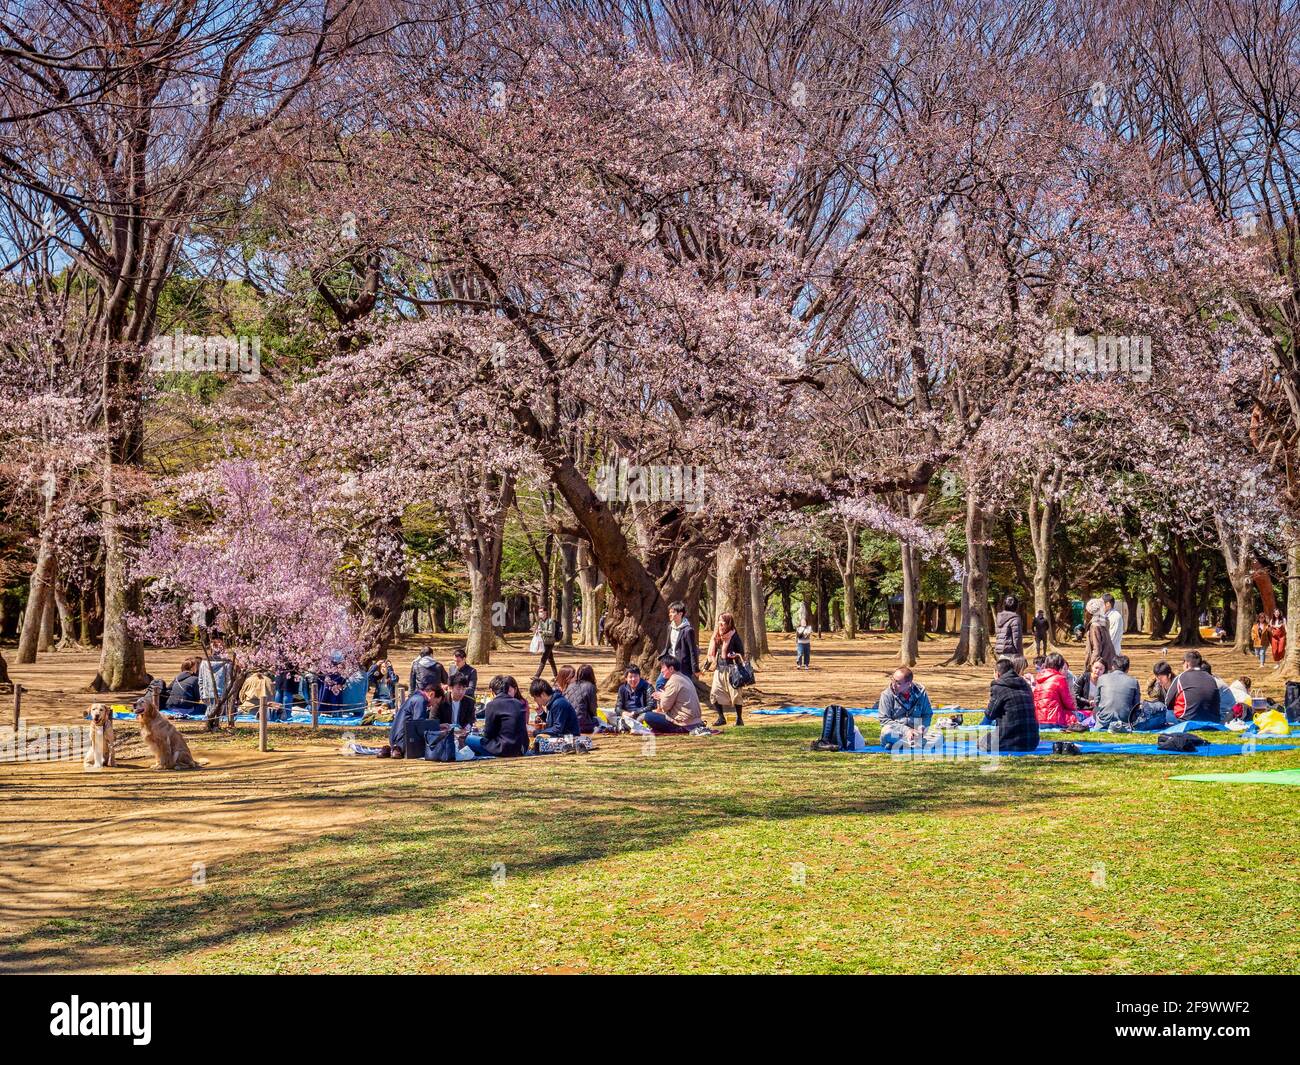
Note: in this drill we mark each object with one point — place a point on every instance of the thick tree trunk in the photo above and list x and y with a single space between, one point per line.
478 639
909 643
1238 562
787 610
973 635
385 593
569 567
121 655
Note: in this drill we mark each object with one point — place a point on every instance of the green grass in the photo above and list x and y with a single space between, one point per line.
746 852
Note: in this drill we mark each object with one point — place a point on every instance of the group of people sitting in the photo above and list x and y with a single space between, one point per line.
1021 701
508 728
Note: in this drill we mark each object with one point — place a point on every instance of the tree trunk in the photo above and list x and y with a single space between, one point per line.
1291 659
1044 513
973 634
569 567
787 610
910 637
41 588
121 655
757 606
1238 562
848 567
589 587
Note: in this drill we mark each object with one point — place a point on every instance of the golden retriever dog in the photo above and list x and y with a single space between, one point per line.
101 737
162 737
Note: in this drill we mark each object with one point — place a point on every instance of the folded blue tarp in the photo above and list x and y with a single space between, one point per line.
941 751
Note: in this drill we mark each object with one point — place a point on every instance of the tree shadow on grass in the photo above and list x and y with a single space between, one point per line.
441 841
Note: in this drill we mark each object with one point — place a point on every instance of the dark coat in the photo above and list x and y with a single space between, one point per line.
1011 709
466 716
688 651
1010 638
505 727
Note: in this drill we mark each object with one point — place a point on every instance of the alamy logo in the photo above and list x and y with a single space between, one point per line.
79 1018
629 483
180 353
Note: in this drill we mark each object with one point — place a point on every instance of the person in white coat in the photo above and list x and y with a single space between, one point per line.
1114 620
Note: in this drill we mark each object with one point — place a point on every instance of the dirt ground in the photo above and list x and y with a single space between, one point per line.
67 835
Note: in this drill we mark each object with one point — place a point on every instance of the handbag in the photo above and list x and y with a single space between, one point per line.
439 746
741 675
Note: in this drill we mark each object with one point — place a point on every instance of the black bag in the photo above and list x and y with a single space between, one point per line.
1180 742
741 675
1291 701
837 730
439 746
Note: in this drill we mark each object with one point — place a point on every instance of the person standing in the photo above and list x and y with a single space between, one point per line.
214 679
546 630
1097 639
802 645
681 643
426 669
1277 635
1114 620
725 650
1261 636
1009 641
1041 628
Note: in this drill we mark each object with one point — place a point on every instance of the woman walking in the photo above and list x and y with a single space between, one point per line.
725 649
1277 635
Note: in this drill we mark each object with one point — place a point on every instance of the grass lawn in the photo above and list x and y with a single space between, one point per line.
740 852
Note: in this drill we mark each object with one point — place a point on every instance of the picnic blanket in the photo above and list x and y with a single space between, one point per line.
964 749
296 717
856 711
1289 777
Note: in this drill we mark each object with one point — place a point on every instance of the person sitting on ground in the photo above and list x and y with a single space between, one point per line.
905 710
183 697
678 704
1242 697
561 718
1193 695
1010 711
1118 696
461 665
1226 699
381 679
581 693
458 709
1010 636
1054 704
633 694
425 663
421 705
1085 689
505 722
257 685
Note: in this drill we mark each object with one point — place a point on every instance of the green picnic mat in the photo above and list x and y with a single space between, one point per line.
1289 777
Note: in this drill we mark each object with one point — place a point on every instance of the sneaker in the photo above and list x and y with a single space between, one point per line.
824 745
1120 726
1065 747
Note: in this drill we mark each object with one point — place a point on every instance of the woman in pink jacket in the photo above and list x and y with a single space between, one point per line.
1053 701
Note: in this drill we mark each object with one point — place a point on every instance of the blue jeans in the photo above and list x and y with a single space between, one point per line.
802 653
475 743
1261 653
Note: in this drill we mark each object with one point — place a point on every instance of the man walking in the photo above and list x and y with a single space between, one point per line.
546 630
1114 620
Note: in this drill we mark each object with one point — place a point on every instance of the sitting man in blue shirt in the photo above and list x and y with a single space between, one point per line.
905 710
416 708
634 694
561 717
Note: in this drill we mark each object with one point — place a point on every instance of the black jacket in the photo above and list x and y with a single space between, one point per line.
1011 709
471 675
463 719
184 694
637 700
505 727
688 650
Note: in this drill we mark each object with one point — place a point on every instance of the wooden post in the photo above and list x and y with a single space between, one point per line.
261 724
18 705
315 704
401 694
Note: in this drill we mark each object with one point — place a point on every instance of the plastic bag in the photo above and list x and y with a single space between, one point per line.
1272 723
536 645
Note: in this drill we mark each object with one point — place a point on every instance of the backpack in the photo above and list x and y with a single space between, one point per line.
837 730
1180 742
1291 700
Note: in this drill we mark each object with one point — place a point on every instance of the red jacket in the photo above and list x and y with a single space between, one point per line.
1053 700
